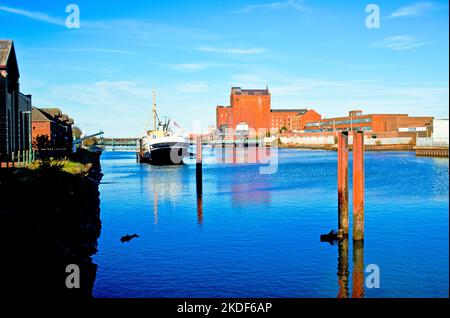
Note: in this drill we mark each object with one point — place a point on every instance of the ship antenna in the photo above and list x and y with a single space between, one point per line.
154 110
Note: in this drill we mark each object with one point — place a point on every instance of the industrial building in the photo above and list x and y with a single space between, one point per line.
382 125
251 108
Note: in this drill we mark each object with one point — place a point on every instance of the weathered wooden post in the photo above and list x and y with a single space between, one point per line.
358 185
199 167
342 184
27 156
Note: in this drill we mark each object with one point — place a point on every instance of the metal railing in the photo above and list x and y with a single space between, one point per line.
18 159
431 142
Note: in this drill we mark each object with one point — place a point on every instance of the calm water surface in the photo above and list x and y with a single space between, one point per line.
258 235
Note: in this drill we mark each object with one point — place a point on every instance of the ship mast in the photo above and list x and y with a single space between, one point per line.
154 110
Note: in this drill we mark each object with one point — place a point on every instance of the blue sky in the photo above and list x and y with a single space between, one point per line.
315 54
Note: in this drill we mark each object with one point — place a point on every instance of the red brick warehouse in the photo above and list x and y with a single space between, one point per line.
253 107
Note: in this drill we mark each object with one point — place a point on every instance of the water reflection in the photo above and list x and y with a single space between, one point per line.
165 184
250 193
343 271
155 207
242 155
358 269
357 272
199 209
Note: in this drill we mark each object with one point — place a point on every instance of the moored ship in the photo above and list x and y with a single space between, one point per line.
162 145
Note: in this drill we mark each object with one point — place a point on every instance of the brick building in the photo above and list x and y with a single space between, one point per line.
392 125
292 119
15 108
54 124
253 108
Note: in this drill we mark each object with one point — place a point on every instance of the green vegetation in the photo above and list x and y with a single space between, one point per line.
76 132
72 167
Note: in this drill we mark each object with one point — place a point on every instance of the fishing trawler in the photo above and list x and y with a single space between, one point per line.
162 145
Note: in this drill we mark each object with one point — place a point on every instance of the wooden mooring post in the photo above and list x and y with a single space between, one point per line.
342 184
198 167
358 185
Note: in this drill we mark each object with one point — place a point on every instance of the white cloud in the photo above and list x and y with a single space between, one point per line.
332 97
400 42
414 10
134 29
289 4
193 87
190 66
239 51
39 16
87 50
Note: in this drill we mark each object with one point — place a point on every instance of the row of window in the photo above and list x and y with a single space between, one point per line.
340 122
365 128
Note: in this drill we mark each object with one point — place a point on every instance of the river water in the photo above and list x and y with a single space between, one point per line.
258 235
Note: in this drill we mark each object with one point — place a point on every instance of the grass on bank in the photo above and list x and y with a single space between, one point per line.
75 168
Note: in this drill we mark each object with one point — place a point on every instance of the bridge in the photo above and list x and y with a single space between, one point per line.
119 144
132 144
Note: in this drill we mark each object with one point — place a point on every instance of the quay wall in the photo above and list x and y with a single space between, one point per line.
50 219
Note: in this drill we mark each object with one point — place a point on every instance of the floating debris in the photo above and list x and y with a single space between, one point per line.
128 238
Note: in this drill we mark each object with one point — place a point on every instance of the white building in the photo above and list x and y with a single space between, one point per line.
440 136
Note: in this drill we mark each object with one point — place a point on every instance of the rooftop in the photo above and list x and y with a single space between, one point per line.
300 111
39 115
240 91
5 50
55 112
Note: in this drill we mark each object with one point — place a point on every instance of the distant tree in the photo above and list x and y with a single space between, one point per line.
76 131
283 129
91 142
43 144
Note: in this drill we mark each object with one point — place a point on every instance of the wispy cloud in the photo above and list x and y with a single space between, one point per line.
331 96
136 29
193 87
241 51
99 105
400 42
192 67
88 50
414 10
39 16
289 4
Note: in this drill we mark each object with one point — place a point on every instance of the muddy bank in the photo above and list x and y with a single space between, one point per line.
48 219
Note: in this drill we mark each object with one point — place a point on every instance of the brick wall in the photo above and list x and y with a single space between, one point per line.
251 109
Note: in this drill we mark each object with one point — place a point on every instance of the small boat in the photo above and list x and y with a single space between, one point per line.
162 145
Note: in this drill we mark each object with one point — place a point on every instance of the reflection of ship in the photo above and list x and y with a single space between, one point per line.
162 146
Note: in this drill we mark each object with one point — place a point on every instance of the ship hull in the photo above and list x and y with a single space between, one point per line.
165 153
